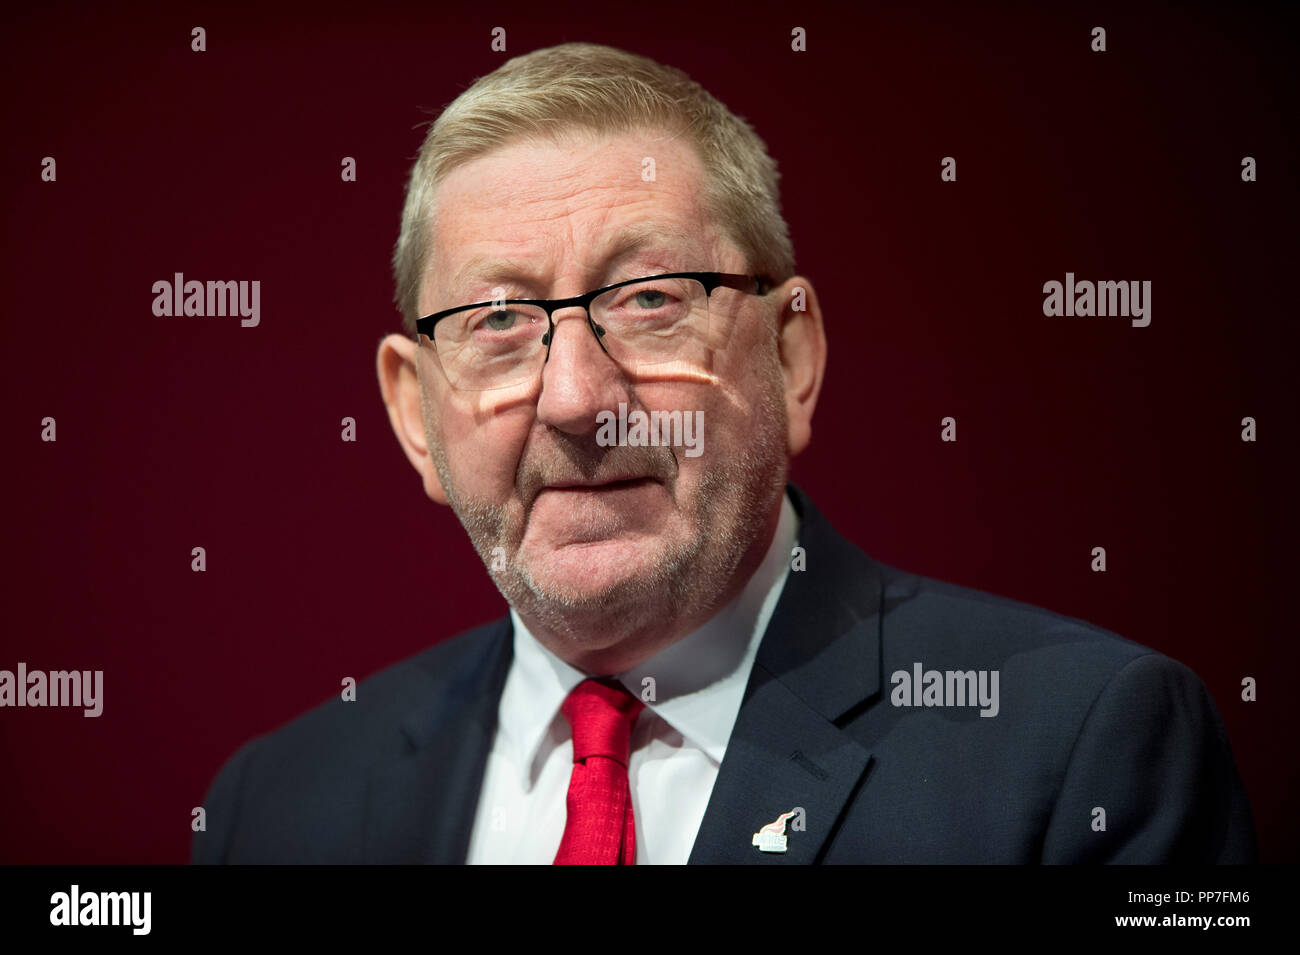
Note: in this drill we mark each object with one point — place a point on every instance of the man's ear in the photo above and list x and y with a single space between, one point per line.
399 383
802 343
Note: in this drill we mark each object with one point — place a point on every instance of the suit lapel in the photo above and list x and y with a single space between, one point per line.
421 807
819 659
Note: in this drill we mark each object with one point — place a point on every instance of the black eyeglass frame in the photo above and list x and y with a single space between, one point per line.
749 284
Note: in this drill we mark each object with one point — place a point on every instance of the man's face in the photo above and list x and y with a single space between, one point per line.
573 532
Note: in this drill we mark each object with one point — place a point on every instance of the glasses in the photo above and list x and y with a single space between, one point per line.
647 324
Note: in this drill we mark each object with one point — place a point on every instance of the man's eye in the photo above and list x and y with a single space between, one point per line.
650 298
500 321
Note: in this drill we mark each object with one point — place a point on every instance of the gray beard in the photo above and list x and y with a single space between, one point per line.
728 511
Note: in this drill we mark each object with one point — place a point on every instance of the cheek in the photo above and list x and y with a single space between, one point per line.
756 393
729 424
483 449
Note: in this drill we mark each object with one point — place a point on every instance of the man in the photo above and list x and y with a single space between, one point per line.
695 666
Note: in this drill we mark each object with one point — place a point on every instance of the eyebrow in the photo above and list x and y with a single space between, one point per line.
621 246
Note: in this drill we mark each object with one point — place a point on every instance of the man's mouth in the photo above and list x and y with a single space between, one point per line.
612 484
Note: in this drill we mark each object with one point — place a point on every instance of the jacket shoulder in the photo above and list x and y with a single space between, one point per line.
348 728
319 760
1082 720
931 614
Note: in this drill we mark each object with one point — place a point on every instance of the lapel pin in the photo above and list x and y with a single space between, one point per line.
772 837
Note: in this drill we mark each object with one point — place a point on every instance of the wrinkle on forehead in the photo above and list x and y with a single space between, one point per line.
550 207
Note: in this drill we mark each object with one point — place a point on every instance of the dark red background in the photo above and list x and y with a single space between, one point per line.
325 559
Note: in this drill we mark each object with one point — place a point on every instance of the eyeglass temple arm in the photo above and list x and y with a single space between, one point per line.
756 284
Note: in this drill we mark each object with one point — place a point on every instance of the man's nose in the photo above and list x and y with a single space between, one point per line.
579 379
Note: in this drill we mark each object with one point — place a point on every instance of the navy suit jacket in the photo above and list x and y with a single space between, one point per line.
1086 720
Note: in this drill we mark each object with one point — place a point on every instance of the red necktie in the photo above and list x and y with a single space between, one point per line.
599 829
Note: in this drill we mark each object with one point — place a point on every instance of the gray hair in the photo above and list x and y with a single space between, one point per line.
605 90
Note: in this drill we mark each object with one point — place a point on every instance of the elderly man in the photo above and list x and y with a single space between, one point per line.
609 362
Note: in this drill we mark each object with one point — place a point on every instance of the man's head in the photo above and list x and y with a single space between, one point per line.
564 171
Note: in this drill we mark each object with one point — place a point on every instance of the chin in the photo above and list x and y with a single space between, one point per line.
609 576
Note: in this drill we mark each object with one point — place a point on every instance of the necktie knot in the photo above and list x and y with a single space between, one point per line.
601 716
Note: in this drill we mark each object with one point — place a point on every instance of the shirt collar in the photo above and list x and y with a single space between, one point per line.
698 682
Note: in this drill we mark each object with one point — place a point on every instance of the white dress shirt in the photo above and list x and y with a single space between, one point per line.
678 740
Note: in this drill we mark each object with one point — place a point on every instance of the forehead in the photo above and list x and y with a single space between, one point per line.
539 212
